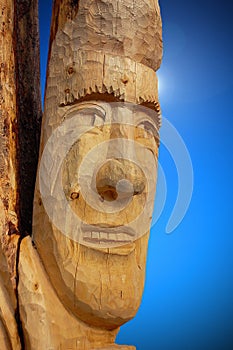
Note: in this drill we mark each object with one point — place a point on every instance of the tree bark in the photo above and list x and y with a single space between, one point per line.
20 117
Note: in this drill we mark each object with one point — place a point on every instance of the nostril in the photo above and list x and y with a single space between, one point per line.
108 193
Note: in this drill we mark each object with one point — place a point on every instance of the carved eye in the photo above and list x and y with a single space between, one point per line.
91 116
147 129
98 120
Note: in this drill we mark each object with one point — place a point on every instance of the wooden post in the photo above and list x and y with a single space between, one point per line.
74 291
101 53
20 116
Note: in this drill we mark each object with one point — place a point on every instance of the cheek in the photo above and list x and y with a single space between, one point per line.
149 144
86 143
128 214
75 156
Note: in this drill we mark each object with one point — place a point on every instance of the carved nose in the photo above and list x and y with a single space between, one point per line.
118 179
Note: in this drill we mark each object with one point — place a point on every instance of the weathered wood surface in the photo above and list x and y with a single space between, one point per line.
20 114
99 51
9 185
9 337
119 41
58 293
46 323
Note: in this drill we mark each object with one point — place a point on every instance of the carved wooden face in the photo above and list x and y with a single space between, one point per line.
93 239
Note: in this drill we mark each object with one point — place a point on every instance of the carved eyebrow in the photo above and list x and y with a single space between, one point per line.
94 111
152 125
154 118
88 108
149 114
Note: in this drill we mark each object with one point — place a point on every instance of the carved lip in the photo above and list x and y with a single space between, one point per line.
106 234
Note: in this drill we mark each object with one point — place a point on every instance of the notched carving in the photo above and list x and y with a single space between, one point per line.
69 97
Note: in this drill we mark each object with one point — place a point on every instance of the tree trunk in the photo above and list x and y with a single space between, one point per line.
20 117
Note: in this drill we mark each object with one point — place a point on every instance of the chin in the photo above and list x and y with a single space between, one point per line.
109 285
102 287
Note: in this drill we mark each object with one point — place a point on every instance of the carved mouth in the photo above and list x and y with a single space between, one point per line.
104 237
108 235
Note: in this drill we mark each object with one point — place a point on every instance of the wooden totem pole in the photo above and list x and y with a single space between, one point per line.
81 274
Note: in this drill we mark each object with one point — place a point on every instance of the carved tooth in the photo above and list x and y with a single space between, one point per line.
87 235
95 235
127 237
120 237
103 235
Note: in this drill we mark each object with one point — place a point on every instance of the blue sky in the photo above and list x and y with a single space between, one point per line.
188 298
